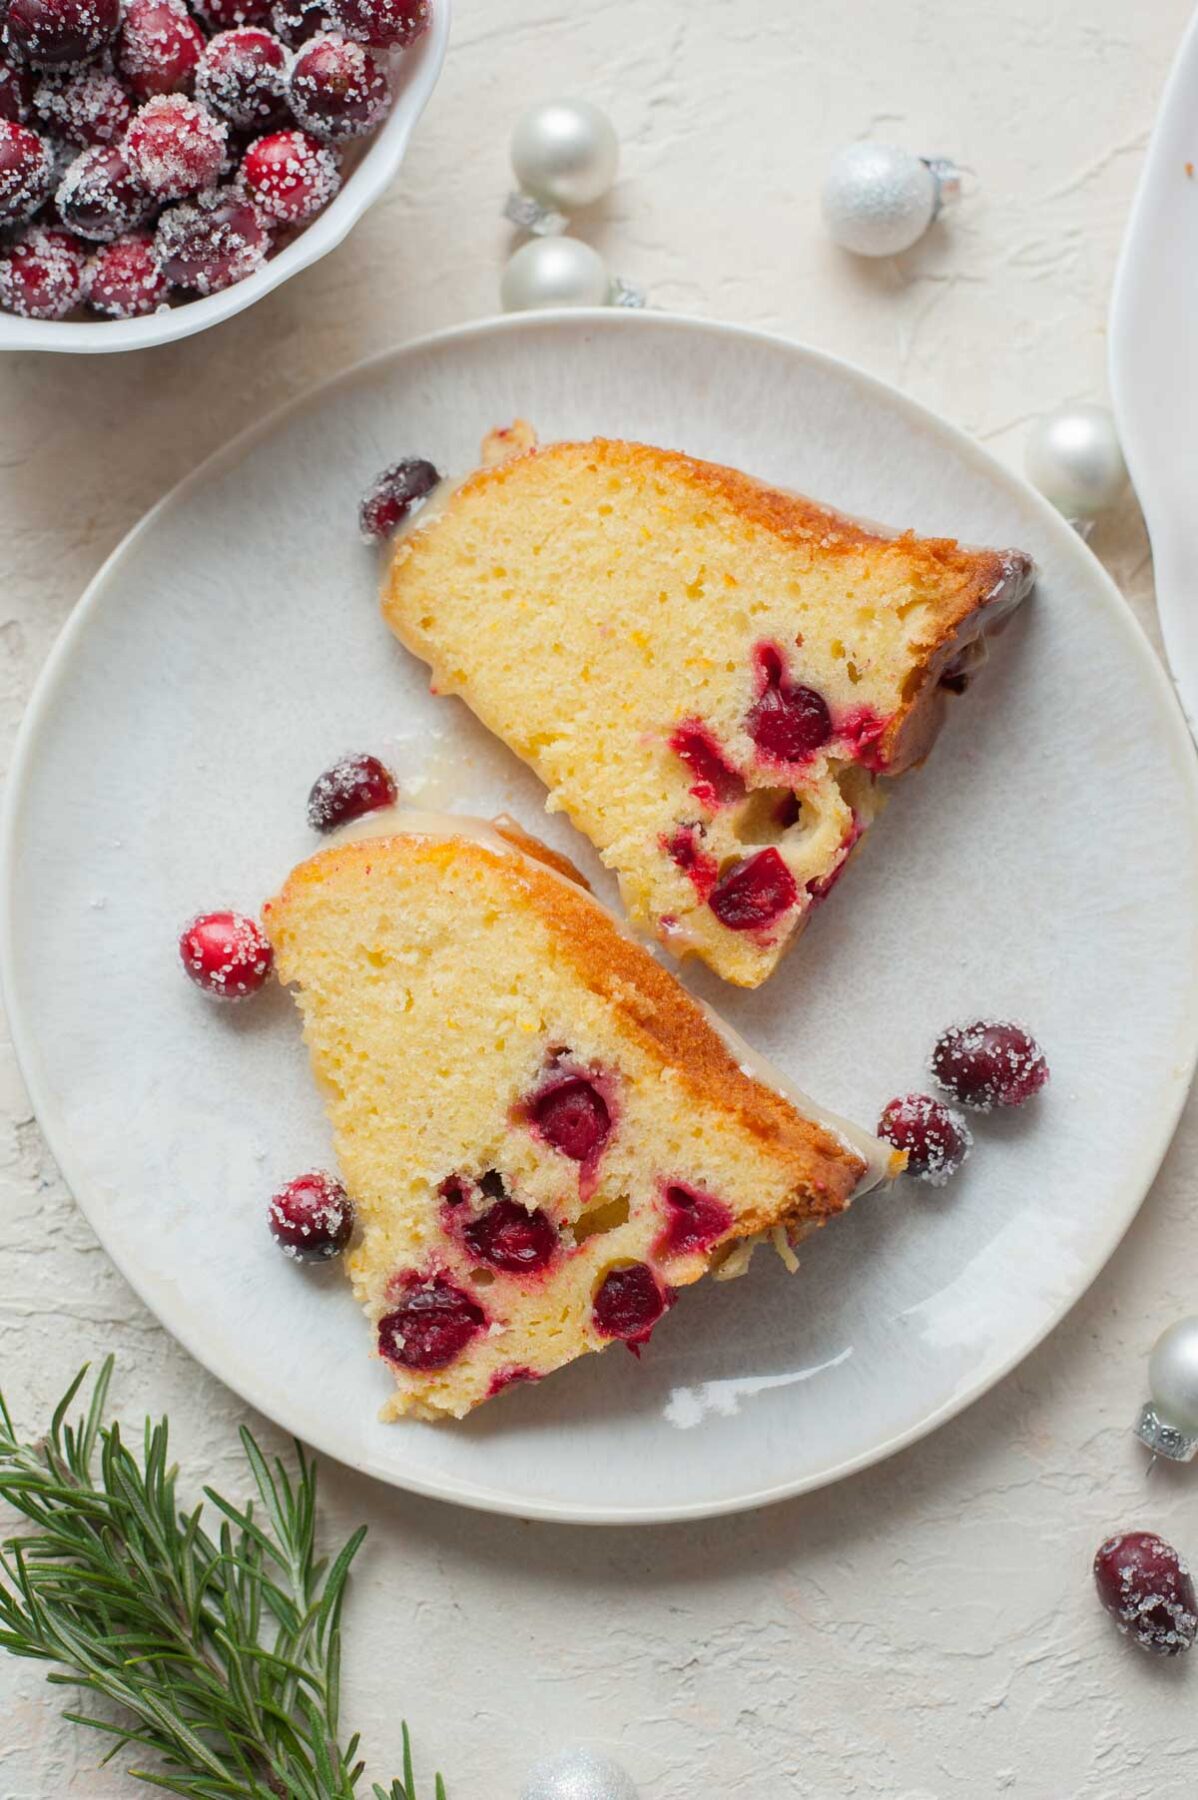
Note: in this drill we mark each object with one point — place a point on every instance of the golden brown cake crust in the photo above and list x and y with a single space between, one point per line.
651 1004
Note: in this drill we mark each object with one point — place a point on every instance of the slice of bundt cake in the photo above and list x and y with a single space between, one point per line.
708 674
543 1134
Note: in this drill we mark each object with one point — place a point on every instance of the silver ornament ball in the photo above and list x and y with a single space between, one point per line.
554 271
1173 1375
579 1775
879 199
1073 457
566 152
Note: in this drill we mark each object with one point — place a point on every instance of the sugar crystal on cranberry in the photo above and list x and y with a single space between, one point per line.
989 1063
384 24
227 15
295 21
85 106
175 147
311 1218
159 48
352 786
937 1139
338 88
431 1326
391 496
51 33
290 175
212 241
26 172
1148 1591
125 280
17 88
242 78
226 954
99 196
42 274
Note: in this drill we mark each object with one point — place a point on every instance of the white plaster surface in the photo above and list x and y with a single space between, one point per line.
927 1630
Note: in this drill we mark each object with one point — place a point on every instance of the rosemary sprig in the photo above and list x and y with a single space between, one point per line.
221 1655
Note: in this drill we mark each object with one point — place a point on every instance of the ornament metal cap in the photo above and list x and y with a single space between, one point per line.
948 178
1162 1439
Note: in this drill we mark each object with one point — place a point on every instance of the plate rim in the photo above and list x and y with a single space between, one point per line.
39 709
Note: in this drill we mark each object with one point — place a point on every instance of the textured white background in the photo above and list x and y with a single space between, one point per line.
927 1629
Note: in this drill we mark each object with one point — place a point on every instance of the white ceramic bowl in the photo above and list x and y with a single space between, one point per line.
415 77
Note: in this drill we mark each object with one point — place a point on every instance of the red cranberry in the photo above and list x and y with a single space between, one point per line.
290 175
629 1302
386 24
49 33
1147 1589
989 1064
392 495
754 892
716 782
242 78
175 147
353 786
16 92
226 15
572 1115
41 276
511 1238
295 21
937 1139
26 172
863 731
125 280
338 89
694 1221
212 241
506 1378
86 106
226 954
312 1218
686 849
431 1326
99 196
788 722
159 48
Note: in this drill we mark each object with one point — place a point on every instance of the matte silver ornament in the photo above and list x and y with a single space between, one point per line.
879 199
565 152
1169 1423
579 1775
1073 457
554 271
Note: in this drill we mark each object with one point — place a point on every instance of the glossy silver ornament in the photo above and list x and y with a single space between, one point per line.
565 152
1073 457
1169 1424
579 1775
879 199
554 271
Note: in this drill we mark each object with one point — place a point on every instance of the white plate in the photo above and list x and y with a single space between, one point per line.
1044 865
1154 361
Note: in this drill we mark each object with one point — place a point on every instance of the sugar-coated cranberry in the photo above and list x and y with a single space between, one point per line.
226 15
212 241
937 1139
338 88
242 78
572 1115
51 33
290 175
716 783
512 1238
125 279
989 1063
312 1218
685 847
351 787
787 722
159 48
385 24
85 106
295 21
391 496
431 1326
99 196
226 954
17 88
175 147
1147 1590
26 172
694 1221
41 275
754 892
629 1302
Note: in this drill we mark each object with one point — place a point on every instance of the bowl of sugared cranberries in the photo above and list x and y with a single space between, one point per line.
165 163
